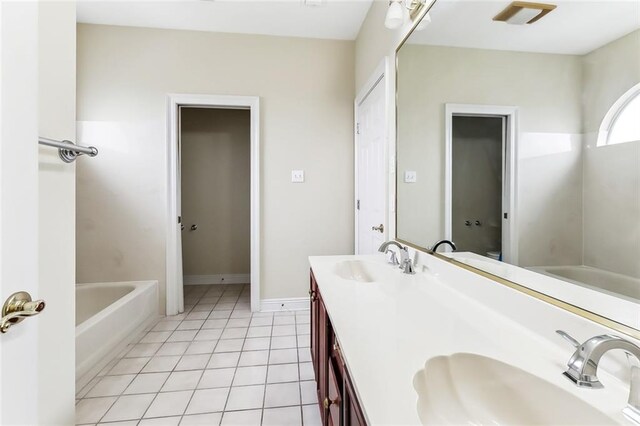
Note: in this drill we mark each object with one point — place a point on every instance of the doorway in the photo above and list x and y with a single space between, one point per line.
370 170
480 180
213 191
215 171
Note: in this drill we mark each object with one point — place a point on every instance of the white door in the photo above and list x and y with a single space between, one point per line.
370 191
19 378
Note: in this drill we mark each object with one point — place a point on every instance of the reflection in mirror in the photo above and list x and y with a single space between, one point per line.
521 142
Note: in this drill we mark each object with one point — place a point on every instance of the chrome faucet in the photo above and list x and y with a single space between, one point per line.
441 242
406 264
583 366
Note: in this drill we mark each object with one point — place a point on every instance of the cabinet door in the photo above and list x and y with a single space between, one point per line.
352 412
333 403
323 356
313 296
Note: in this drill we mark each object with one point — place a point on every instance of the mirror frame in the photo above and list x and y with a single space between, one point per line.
574 309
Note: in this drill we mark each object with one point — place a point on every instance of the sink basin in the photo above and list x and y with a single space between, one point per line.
359 270
476 390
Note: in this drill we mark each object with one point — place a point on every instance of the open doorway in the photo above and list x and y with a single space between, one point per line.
215 171
213 191
480 180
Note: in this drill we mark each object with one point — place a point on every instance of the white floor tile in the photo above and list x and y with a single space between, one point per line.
143 350
211 419
222 360
217 378
91 410
156 337
250 375
147 383
129 366
172 348
161 421
304 355
284 330
205 347
306 371
261 331
304 340
166 325
245 398
240 314
284 320
249 358
282 395
208 401
308 391
238 322
234 333
283 342
111 386
193 362
231 345
214 323
283 356
197 316
161 363
241 418
220 314
182 336
280 373
208 334
125 423
257 321
169 404
128 407
182 380
311 415
190 325
259 343
288 416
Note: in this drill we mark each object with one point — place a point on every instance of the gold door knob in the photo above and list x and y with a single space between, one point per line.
379 228
18 307
326 403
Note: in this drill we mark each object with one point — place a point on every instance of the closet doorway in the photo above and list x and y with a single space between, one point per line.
212 230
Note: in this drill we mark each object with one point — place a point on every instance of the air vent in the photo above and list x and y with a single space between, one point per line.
522 12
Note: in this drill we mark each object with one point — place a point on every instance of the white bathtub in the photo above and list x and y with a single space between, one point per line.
598 279
108 317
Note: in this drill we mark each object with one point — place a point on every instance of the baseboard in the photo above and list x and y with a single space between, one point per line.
280 305
216 279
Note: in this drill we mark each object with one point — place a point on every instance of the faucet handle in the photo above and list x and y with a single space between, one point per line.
632 410
566 336
393 259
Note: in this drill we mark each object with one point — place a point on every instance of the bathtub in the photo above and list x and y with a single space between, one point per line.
108 317
597 279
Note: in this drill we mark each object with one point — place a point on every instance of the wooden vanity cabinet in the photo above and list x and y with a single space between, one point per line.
339 405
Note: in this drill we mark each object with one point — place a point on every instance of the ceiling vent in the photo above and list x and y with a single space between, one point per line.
522 12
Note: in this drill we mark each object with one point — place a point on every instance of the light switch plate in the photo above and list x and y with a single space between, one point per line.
410 177
297 176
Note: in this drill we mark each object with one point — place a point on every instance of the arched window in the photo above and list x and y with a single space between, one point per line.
622 122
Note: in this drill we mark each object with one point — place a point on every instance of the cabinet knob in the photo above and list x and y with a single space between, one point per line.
312 295
326 403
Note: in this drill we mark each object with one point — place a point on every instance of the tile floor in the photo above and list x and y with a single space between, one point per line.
215 364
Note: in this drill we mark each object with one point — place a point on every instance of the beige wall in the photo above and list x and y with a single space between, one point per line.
215 174
546 89
56 101
306 91
611 173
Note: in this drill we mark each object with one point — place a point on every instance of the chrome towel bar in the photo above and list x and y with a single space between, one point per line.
67 150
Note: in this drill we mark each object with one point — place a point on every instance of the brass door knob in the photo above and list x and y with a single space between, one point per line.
326 403
18 307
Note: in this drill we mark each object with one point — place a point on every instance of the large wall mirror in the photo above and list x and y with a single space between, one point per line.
518 138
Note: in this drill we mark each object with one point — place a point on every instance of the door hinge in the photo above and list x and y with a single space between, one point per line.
357 128
179 219
505 215
357 204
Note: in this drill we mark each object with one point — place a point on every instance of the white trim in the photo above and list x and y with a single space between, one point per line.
217 279
509 226
283 305
381 74
612 115
175 296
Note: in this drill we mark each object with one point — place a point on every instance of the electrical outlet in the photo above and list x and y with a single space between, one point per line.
297 176
410 177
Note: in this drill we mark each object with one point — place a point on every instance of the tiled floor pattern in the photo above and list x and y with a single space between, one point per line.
215 364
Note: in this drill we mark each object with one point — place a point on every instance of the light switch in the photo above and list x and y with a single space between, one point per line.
410 177
297 176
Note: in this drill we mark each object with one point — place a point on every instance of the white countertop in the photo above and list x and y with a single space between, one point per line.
388 330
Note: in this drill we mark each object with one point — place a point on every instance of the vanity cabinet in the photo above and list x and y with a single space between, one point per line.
339 405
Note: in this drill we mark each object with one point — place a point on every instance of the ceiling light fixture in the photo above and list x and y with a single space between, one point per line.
522 12
396 14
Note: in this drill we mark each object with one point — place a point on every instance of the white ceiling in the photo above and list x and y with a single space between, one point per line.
334 19
574 27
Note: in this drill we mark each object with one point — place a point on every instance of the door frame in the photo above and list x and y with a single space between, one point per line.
379 76
510 172
174 285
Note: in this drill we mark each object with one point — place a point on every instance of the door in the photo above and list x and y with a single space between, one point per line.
19 377
370 179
